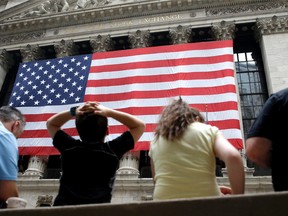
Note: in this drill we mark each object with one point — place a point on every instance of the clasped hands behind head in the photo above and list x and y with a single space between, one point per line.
88 107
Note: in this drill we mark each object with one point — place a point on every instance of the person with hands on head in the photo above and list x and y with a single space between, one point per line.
183 156
12 123
89 164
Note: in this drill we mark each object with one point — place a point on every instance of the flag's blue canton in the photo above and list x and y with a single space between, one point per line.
51 82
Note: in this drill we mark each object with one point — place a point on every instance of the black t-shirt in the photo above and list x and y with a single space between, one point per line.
270 124
88 169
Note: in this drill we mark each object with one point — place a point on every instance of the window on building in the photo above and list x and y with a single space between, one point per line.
252 87
252 91
251 80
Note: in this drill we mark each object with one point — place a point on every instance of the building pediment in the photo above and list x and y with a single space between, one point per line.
59 21
30 9
42 10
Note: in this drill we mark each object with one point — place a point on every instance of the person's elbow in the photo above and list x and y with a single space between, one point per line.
258 159
251 154
234 158
138 131
51 128
49 125
258 151
141 129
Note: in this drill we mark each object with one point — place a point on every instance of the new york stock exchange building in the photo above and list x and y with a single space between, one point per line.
35 31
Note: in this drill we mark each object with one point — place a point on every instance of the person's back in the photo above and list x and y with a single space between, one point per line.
183 156
266 143
88 172
89 164
186 167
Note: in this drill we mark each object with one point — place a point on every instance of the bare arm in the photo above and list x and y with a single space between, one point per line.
258 150
135 125
8 189
152 169
55 122
232 158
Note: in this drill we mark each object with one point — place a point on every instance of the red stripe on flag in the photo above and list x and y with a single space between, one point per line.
237 143
43 150
43 133
225 124
160 93
202 107
37 117
161 63
161 78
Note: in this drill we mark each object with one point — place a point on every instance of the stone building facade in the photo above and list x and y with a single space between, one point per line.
33 30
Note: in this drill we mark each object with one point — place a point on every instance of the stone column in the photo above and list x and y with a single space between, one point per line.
129 166
101 43
223 30
36 167
140 39
5 64
65 48
181 34
31 53
37 164
272 34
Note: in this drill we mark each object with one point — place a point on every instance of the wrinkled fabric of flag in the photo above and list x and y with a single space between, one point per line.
138 81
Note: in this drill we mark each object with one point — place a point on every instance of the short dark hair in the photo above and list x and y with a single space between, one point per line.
91 127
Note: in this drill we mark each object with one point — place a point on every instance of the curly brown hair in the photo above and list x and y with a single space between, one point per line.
175 118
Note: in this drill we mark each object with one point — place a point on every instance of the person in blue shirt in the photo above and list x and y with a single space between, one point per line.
12 124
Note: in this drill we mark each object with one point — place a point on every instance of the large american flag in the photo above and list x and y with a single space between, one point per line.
138 81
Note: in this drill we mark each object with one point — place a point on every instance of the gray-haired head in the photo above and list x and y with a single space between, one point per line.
9 113
12 119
